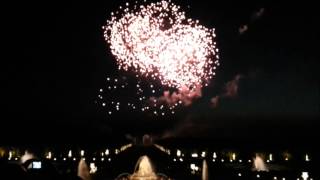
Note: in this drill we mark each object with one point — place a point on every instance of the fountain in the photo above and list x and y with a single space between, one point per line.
83 170
143 170
258 164
205 170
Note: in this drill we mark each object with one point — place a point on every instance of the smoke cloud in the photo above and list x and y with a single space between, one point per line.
255 16
231 90
243 29
183 96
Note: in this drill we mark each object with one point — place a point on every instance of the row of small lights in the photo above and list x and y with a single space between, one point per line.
74 159
194 168
93 167
203 154
233 156
304 176
82 153
179 154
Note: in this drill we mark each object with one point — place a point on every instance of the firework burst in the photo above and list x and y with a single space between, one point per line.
158 42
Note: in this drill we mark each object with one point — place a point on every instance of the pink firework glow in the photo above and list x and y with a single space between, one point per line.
158 41
173 57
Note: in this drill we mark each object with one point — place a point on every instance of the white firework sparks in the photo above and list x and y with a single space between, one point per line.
158 42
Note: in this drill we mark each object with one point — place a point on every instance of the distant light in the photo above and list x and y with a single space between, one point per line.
16 159
286 159
109 159
82 153
70 153
102 159
49 156
305 175
10 155
64 159
94 159
222 160
258 176
214 155
233 156
181 159
178 153
240 161
283 178
194 155
36 165
192 166
213 160
307 158
107 152
249 160
239 174
100 90
231 160
174 159
74 159
203 154
84 159
116 151
268 161
93 168
270 157
275 178
54 159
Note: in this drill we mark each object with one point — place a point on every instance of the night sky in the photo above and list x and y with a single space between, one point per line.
55 60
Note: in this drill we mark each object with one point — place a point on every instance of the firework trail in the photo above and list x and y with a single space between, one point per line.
160 45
